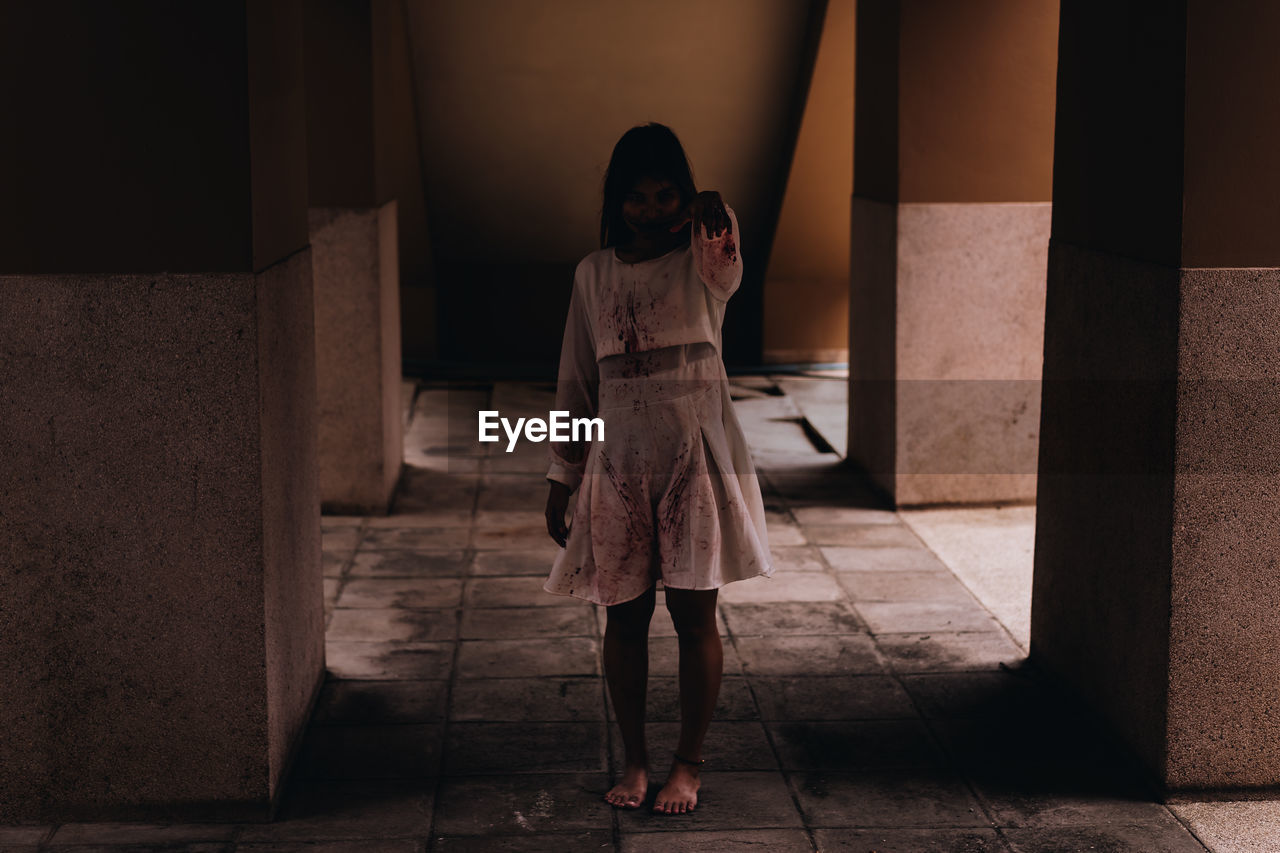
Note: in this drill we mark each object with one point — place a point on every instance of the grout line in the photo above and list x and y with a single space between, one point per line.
960 581
748 682
453 671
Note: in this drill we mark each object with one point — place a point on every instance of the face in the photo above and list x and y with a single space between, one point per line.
651 206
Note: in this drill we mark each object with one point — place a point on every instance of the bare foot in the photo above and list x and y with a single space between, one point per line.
680 794
631 791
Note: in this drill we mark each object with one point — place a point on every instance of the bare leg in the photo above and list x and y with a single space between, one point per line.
626 669
701 667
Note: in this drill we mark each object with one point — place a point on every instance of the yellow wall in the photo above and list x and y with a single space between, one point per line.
521 103
806 295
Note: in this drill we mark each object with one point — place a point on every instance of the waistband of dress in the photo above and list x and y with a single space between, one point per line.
639 379
654 363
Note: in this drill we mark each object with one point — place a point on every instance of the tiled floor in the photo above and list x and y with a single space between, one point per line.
870 702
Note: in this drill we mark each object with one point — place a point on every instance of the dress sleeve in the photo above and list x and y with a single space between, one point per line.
719 259
577 387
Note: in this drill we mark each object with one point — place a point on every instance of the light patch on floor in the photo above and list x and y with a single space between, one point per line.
1233 827
990 549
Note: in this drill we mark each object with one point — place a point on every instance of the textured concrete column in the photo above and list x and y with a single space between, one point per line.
950 229
160 580
355 259
1156 589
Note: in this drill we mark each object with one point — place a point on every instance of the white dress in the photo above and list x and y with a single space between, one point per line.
670 493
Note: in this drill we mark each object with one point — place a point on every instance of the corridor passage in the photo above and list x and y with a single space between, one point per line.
871 702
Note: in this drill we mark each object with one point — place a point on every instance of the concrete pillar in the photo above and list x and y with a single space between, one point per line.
950 227
160 576
1158 527
354 255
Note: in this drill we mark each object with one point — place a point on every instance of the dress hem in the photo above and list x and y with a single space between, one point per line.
766 573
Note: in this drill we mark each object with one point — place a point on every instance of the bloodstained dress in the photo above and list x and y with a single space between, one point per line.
671 493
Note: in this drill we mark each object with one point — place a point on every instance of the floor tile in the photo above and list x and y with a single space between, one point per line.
843 515
522 562
392 624
812 617
851 654
1112 839
410 564
524 804
719 841
527 699
855 697
851 744
916 617
138 833
940 652
863 535
514 592
504 491
727 800
370 752
340 540
898 798
333 563
903 586
380 845
381 661
24 834
457 514
1233 827
989 695
887 840
402 538
987 747
510 538
783 586
380 702
513 623
528 658
846 559
1071 796
807 558
509 518
423 593
784 533
365 809
175 847
588 841
337 522
479 748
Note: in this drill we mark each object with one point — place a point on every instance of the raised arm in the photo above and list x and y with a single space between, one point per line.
715 242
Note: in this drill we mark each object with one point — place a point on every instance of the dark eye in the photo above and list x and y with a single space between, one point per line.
667 195
633 197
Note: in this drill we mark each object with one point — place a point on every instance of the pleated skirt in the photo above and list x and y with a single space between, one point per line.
670 494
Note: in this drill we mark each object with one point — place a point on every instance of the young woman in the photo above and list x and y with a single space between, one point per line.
670 493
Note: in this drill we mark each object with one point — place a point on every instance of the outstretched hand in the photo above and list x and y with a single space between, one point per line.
706 209
557 504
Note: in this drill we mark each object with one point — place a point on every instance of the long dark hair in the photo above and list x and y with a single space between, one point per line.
645 151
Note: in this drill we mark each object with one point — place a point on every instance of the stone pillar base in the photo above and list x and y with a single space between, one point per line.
1155 590
160 581
357 298
946 342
